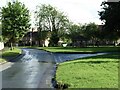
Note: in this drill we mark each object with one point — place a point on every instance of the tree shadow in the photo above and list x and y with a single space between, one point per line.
96 62
86 49
11 57
108 56
100 59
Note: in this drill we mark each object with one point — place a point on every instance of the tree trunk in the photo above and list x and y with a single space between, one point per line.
54 36
11 45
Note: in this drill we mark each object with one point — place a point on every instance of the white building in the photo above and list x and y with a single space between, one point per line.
1 45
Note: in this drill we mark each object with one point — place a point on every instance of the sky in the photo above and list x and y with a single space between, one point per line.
78 11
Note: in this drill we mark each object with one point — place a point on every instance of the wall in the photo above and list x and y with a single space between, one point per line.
1 45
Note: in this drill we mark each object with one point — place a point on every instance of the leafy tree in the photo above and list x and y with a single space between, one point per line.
0 29
1 39
15 21
83 33
74 32
44 35
110 14
50 19
76 35
91 32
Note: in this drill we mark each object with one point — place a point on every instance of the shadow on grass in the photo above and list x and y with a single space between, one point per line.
97 49
10 56
115 58
106 56
81 49
96 62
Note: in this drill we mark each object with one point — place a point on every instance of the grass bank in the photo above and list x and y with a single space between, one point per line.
2 60
8 54
80 50
94 72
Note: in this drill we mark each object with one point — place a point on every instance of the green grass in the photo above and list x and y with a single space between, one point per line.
6 53
2 60
94 72
86 49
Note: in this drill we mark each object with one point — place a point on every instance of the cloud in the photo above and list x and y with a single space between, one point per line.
78 11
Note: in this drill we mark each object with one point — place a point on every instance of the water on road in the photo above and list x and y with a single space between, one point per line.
60 57
29 72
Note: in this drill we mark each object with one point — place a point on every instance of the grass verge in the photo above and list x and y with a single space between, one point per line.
2 60
8 54
94 72
80 50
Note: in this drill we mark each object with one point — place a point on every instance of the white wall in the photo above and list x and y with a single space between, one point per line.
1 45
47 42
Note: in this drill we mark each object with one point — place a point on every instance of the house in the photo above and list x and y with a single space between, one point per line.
30 38
1 45
33 38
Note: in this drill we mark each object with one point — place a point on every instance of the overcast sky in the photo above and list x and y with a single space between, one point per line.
78 11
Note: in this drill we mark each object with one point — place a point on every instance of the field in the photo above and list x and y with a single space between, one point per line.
94 72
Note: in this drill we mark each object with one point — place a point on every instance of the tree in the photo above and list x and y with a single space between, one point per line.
110 14
74 32
91 32
1 39
76 35
50 19
83 33
15 21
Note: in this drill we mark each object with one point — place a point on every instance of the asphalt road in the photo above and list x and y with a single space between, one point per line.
33 70
61 57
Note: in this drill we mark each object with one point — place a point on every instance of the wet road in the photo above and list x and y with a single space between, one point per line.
35 69
60 57
28 72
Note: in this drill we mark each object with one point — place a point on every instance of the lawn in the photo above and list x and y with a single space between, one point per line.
2 60
80 50
9 53
94 72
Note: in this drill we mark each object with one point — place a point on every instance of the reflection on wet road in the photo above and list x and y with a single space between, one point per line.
35 69
60 57
28 72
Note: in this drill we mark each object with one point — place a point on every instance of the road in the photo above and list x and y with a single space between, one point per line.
62 57
33 70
